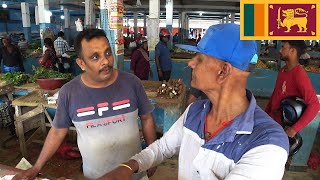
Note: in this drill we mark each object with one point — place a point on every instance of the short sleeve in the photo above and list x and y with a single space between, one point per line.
144 104
157 50
62 118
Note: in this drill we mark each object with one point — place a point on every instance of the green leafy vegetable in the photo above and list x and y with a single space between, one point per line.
43 73
16 78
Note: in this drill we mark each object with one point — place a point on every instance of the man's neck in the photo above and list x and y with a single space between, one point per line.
291 64
227 106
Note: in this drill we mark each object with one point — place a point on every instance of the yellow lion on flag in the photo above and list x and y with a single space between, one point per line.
290 19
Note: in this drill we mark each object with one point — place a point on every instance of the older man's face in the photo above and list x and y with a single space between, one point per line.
205 70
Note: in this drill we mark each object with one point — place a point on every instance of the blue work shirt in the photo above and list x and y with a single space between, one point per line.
164 56
253 146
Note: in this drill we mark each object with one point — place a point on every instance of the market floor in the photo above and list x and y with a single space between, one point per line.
168 170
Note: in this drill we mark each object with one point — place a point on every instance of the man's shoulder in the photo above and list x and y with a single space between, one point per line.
268 131
72 85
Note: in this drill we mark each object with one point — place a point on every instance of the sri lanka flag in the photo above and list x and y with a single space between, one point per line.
279 20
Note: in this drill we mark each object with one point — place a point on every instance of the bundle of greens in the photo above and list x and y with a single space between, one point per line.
16 78
43 73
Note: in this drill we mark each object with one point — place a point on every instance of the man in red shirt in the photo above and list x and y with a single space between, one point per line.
293 81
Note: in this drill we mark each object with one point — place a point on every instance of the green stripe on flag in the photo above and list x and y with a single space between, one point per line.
249 20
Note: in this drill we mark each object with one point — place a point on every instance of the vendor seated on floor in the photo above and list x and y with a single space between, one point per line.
304 59
50 59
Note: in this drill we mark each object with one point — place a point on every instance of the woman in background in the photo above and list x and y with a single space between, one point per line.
140 64
50 59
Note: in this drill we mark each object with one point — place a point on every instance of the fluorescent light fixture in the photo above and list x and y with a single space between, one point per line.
62 16
83 2
200 13
4 5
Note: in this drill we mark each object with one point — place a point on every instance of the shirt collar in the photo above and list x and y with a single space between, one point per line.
242 124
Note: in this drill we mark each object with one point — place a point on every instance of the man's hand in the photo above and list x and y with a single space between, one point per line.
151 171
29 174
290 131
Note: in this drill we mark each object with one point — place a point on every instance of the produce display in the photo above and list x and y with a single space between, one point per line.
270 65
172 88
16 78
19 78
34 50
43 73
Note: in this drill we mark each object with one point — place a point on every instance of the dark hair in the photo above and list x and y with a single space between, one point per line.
48 41
87 34
60 34
300 46
21 34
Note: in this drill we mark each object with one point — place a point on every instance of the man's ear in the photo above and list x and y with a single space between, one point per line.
224 72
81 63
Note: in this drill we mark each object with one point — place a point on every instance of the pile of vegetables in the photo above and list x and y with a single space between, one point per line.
43 73
16 78
19 78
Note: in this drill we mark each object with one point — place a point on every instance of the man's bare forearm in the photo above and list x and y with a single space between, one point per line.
148 128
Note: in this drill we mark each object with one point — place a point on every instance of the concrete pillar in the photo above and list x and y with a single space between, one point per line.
26 21
153 29
232 17
112 24
90 15
169 20
145 24
36 15
44 17
135 23
183 26
223 20
180 28
227 19
187 26
66 25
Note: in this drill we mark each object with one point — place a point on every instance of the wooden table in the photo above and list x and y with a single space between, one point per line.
27 121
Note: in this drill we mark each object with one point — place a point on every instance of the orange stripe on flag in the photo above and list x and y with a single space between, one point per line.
259 20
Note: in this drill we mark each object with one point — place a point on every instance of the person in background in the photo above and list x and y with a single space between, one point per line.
199 38
163 56
49 59
11 57
227 136
292 80
140 62
103 104
60 45
23 44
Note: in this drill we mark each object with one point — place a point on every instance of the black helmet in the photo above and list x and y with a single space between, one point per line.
291 109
